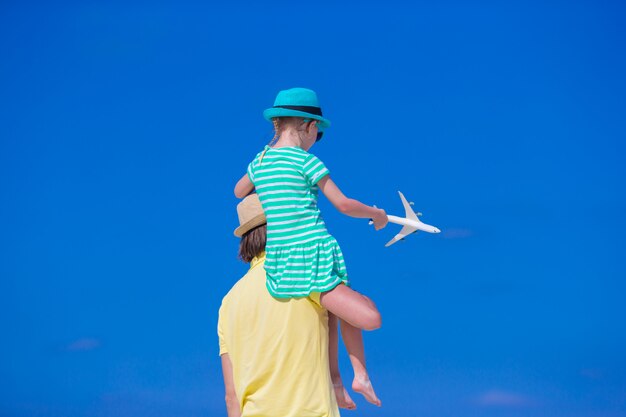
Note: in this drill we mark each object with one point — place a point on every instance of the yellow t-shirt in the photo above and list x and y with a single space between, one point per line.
278 349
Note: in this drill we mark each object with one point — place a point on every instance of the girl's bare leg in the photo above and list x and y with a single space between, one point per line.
343 399
351 306
356 312
353 339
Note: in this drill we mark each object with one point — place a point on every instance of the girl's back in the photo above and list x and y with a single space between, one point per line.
302 257
286 182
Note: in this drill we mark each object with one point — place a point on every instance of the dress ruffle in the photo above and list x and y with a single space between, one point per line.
298 270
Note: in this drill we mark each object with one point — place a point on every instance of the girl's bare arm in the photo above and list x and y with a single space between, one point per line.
244 187
350 206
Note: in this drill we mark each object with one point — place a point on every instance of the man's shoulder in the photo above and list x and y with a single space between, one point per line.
250 290
237 287
252 276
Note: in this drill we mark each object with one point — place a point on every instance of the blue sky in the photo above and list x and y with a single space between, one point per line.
124 127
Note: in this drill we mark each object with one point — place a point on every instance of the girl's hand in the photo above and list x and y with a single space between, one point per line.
380 219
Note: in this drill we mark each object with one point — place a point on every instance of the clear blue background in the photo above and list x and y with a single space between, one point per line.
125 125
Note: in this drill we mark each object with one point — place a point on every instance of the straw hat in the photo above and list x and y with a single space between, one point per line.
296 102
250 214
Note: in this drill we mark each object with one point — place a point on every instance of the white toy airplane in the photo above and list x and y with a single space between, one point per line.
411 223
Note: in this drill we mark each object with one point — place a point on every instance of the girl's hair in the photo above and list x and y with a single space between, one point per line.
276 122
279 125
252 243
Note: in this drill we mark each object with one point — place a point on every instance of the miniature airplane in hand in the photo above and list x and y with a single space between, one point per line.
411 223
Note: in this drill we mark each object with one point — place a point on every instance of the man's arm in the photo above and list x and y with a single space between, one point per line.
232 403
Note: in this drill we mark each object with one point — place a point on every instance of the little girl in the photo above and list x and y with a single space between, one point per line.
302 258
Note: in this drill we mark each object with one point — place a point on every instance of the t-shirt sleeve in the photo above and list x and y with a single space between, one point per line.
314 169
251 171
252 166
220 330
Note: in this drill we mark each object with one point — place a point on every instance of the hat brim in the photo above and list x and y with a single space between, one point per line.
273 112
256 221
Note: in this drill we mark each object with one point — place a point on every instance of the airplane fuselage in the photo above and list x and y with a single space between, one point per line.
413 223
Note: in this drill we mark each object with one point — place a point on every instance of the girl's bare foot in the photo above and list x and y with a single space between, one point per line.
362 385
343 399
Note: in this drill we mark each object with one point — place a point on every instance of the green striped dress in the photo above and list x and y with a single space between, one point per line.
301 256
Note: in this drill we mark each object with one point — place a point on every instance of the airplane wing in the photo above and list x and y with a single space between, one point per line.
410 214
406 230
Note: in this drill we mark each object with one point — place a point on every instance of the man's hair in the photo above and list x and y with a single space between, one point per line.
252 243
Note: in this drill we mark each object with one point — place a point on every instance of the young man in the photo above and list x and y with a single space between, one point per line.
274 352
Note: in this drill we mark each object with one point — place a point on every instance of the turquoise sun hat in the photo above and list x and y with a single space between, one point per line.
296 102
